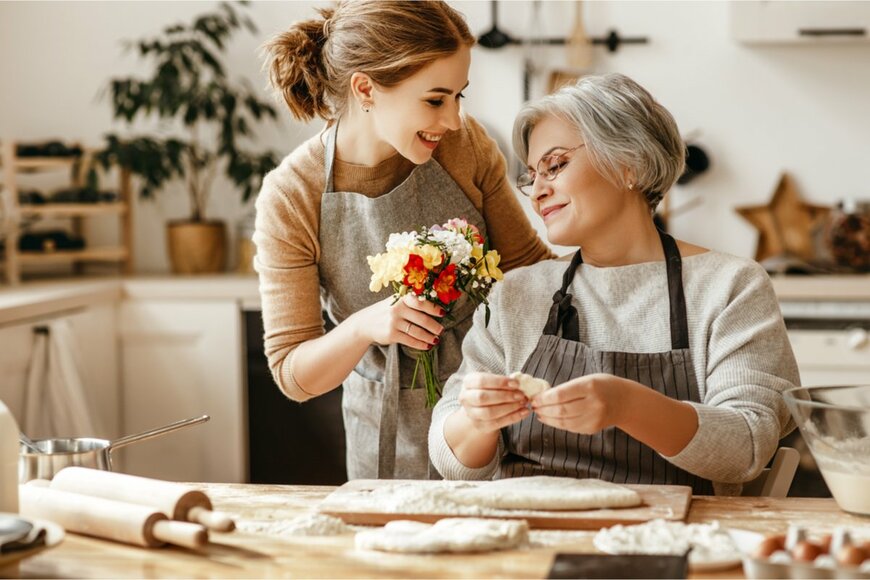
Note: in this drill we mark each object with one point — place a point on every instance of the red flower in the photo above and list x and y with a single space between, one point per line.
415 274
445 285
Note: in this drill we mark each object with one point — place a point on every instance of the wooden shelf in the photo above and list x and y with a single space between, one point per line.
108 254
14 259
73 209
34 164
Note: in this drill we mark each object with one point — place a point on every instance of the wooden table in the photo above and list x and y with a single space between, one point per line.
241 555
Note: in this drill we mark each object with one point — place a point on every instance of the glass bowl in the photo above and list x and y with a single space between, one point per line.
835 423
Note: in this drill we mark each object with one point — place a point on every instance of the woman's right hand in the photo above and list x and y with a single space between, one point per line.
409 321
491 402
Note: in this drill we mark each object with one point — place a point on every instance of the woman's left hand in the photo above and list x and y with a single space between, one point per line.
583 405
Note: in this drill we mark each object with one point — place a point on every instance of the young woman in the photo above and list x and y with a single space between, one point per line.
397 154
667 361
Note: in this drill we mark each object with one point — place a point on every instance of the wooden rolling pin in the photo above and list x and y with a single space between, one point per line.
105 518
177 501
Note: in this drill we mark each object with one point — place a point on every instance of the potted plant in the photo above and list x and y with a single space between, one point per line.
189 90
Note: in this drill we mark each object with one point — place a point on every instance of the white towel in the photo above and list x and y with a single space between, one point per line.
55 404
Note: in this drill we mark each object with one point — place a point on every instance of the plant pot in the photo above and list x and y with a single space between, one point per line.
197 247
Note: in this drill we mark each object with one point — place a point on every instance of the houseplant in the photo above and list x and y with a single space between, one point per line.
208 114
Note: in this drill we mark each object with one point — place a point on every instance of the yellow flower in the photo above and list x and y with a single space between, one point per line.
476 252
431 255
489 267
387 268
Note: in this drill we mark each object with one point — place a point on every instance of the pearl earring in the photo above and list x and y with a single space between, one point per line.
631 187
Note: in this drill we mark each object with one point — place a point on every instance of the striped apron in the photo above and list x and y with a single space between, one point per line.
533 448
387 422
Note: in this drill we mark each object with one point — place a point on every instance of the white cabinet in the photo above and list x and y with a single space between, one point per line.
180 359
832 357
777 21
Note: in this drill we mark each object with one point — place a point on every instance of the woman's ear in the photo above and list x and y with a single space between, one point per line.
361 86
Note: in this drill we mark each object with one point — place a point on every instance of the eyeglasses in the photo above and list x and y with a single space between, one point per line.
548 167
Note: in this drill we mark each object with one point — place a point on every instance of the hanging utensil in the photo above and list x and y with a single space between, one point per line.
495 38
580 53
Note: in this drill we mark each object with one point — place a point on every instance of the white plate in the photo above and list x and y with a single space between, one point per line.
54 535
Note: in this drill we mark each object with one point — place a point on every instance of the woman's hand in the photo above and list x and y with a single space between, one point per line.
491 402
409 321
584 405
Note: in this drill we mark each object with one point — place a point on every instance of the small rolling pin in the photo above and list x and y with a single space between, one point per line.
105 518
177 501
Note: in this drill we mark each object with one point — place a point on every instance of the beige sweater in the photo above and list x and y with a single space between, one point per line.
288 223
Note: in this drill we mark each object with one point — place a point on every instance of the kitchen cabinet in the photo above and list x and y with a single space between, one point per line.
775 21
180 359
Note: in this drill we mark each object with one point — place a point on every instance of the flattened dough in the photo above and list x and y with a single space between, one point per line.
543 492
447 535
529 385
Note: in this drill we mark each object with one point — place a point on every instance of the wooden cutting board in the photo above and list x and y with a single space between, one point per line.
668 502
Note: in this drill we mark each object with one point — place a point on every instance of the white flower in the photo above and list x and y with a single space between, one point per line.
455 244
403 240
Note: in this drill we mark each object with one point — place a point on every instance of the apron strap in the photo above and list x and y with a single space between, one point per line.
329 152
389 420
679 319
563 316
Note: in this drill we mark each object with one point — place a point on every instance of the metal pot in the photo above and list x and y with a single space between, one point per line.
82 451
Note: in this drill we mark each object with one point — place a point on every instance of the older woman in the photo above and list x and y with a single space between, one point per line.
667 360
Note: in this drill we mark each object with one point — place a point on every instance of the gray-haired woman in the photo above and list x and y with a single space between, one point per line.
666 360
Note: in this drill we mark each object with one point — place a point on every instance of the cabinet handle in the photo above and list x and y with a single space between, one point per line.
817 32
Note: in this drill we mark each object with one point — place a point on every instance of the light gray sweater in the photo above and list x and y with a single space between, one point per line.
740 352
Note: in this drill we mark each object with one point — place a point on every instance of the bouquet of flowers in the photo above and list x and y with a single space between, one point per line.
438 264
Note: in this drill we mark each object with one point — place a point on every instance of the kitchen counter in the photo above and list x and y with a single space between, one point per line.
246 555
33 300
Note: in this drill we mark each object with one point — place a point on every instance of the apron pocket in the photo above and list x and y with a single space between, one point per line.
361 401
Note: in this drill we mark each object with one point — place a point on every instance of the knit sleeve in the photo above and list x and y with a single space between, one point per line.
286 263
508 227
482 351
749 364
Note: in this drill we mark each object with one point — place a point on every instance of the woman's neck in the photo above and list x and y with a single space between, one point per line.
633 239
357 143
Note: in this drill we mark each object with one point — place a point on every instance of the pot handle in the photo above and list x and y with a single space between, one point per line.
156 432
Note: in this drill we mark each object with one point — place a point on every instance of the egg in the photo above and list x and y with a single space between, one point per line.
769 545
825 543
850 556
805 551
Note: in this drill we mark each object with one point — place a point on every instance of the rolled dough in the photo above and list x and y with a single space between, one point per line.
447 535
543 492
529 385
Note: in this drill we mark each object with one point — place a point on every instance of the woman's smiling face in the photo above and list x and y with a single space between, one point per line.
579 202
414 115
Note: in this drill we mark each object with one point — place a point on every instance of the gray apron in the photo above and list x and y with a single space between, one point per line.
536 449
387 423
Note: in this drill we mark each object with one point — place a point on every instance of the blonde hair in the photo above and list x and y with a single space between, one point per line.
311 63
623 127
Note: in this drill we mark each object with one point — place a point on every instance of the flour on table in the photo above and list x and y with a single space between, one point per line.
447 535
312 524
544 492
709 543
529 385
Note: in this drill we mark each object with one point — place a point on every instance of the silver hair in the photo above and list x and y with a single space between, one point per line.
623 126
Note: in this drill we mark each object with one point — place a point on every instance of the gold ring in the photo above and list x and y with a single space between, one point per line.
408 330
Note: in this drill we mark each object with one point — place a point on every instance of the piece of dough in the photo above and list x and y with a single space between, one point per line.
447 535
529 385
543 492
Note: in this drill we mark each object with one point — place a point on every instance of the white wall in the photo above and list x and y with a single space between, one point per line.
759 110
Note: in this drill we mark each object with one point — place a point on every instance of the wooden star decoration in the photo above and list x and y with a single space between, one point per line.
786 224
